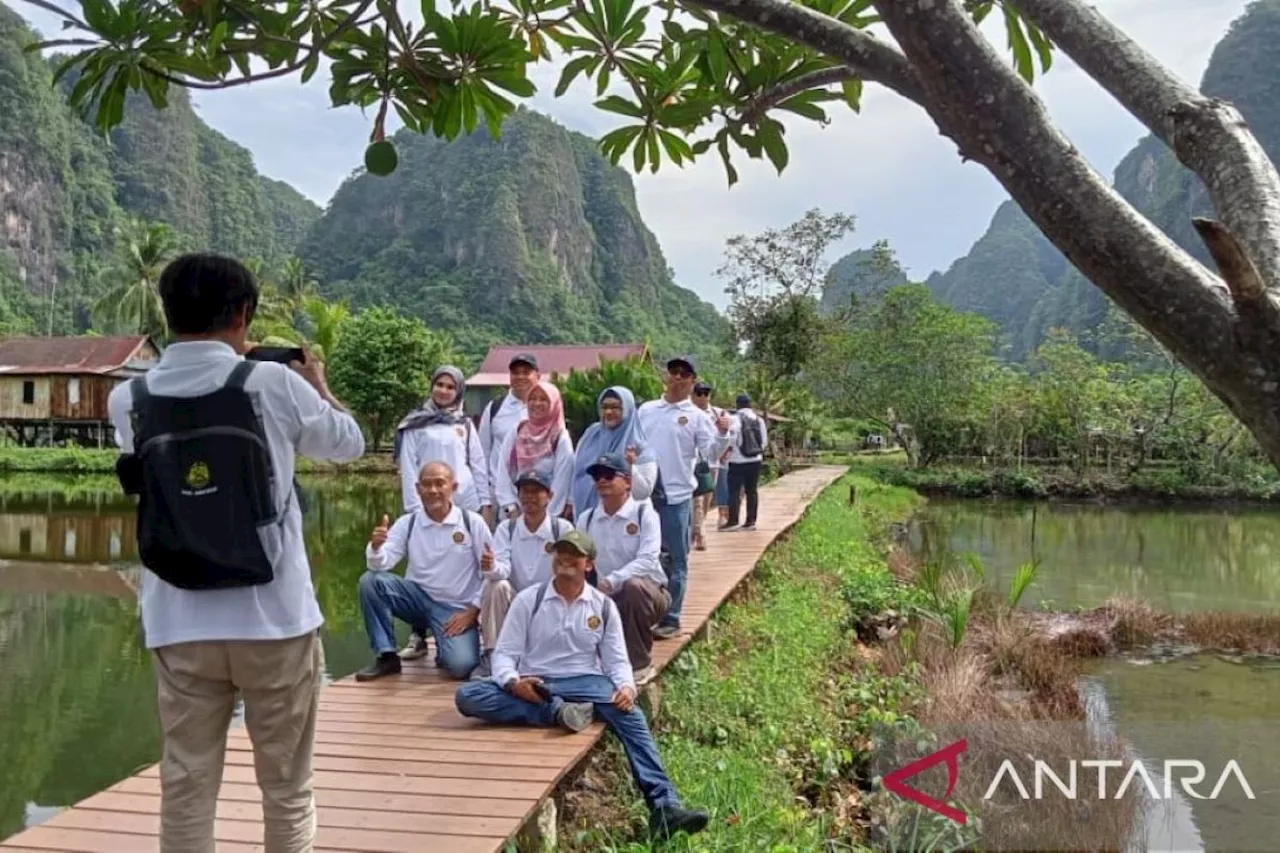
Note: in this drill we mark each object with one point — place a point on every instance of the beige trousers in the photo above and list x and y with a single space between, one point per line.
495 601
280 683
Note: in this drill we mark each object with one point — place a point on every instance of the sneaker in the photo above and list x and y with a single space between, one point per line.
725 526
666 821
484 669
748 527
416 648
576 716
644 676
384 664
666 632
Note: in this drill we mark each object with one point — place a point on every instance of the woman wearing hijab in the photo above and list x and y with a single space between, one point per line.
618 431
540 439
440 431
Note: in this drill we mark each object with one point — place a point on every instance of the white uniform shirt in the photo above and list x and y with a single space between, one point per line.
679 433
523 556
563 639
627 543
458 446
561 475
444 556
493 432
713 414
296 420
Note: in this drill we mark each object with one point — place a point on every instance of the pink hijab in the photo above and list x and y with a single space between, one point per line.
536 440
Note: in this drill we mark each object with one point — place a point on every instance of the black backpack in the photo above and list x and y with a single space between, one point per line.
751 438
201 468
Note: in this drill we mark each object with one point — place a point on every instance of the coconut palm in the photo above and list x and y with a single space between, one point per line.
131 303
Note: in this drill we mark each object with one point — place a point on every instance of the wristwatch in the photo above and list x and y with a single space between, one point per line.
510 684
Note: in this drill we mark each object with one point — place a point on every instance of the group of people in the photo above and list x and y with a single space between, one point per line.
542 575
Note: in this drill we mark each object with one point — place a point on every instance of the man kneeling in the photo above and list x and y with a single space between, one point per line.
560 660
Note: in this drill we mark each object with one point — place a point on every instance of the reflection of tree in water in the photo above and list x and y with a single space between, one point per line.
1180 558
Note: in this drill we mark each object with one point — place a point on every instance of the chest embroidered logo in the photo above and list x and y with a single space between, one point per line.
593 622
459 538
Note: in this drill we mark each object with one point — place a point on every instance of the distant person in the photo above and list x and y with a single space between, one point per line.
521 558
746 458
540 439
679 433
440 590
561 660
719 498
502 415
617 431
227 601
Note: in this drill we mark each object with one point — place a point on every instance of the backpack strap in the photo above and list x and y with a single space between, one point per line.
537 602
511 526
239 374
413 520
138 389
495 406
542 593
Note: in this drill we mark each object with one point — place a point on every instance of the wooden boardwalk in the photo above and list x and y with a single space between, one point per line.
397 769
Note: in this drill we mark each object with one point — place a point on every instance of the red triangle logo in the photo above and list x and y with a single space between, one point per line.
896 781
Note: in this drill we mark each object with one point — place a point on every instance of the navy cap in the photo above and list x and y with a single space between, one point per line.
614 462
535 477
702 388
743 401
686 360
523 358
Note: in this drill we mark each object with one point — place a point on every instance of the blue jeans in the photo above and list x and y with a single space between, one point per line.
722 487
384 595
486 701
676 521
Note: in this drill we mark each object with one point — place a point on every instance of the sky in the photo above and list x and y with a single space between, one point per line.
888 165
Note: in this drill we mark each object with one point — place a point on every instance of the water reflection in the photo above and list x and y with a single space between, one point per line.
1177 559
77 696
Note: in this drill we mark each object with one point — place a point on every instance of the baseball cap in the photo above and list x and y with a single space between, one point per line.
535 477
743 401
702 388
686 360
523 358
578 541
615 462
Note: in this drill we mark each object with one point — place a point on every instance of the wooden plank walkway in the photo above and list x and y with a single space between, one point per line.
397 769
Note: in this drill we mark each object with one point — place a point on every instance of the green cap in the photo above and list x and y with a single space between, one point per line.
578 541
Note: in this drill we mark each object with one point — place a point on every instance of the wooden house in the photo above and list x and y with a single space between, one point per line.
493 378
54 390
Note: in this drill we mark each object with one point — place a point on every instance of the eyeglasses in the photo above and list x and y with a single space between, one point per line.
702 393
680 374
607 476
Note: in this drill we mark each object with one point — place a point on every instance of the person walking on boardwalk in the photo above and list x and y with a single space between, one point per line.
440 590
628 538
562 660
719 498
441 431
541 438
617 431
504 414
521 558
679 433
208 442
746 458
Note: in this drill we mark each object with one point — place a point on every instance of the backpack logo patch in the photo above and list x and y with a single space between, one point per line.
197 476
459 538
593 622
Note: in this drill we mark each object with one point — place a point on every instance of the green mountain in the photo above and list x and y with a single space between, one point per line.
533 237
1016 277
64 189
862 273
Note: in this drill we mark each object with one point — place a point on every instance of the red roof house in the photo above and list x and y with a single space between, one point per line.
552 360
87 356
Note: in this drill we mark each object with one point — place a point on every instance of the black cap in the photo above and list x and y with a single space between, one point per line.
743 401
686 360
535 477
702 388
523 358
614 462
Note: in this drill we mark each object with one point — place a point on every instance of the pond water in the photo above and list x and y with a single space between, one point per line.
1179 559
77 696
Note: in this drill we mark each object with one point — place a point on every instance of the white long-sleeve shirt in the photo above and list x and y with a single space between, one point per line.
523 556
457 445
563 639
627 543
296 420
713 414
735 431
444 556
561 477
679 433
495 429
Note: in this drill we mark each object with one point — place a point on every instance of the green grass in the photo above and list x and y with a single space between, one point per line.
760 724
78 461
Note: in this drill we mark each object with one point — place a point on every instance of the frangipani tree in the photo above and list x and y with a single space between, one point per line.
697 75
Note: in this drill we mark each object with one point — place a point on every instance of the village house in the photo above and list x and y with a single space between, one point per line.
54 390
493 378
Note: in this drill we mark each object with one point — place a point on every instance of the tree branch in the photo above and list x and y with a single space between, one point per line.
1208 136
770 98
870 58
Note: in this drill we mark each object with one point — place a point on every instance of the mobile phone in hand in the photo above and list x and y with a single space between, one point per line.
283 355
541 690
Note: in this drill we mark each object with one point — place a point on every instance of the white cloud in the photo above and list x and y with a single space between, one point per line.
888 165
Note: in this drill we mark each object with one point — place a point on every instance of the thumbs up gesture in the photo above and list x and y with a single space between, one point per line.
379 536
486 559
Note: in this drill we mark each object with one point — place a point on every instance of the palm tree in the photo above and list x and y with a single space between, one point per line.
296 284
132 302
325 320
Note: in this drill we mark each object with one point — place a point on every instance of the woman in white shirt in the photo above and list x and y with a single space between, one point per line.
540 440
440 431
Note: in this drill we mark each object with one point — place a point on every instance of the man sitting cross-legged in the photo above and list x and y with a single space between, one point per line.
440 590
521 558
561 659
628 537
